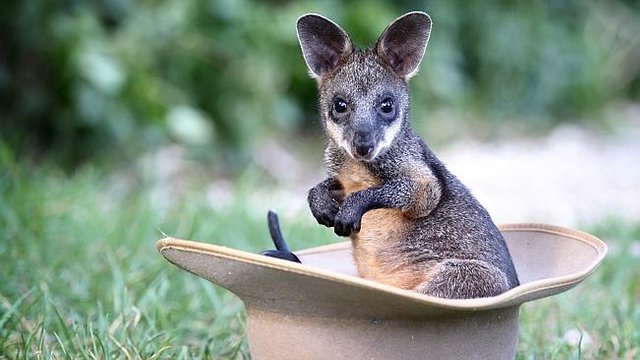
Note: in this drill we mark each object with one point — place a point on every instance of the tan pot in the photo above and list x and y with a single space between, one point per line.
321 310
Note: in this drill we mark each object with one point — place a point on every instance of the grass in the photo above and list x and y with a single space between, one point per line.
599 318
80 276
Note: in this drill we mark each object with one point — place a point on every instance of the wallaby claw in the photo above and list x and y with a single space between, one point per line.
347 223
326 218
326 215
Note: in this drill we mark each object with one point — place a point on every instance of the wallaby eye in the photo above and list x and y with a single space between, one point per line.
339 106
387 108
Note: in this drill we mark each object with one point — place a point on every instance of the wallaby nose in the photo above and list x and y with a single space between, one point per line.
364 150
363 143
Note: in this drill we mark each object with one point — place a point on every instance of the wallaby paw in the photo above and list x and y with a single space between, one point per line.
347 221
325 216
323 207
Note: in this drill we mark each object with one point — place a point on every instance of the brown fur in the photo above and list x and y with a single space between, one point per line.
354 176
384 229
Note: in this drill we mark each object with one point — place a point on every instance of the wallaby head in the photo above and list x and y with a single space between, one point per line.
364 97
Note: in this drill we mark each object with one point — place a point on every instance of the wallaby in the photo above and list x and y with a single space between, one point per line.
411 222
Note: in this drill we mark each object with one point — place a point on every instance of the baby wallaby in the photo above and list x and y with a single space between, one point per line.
412 223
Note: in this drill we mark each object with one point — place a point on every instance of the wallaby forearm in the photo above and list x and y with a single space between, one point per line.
415 199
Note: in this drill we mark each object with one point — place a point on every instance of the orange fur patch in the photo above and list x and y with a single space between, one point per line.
380 228
383 230
355 177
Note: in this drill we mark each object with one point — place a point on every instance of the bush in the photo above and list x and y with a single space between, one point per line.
81 79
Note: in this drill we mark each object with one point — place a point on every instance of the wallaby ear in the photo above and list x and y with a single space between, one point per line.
323 43
403 42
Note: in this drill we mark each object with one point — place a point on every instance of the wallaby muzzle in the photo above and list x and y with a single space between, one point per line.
363 144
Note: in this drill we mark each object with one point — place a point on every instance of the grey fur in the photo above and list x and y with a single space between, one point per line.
451 239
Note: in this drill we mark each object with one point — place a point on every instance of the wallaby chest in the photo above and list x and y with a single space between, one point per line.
381 231
354 176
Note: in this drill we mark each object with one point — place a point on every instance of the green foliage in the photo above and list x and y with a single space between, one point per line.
81 79
80 276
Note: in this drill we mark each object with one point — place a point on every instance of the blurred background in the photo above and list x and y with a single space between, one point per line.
124 120
106 82
85 80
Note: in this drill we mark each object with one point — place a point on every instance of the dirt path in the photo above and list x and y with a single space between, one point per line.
570 177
